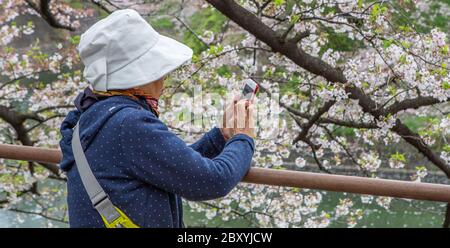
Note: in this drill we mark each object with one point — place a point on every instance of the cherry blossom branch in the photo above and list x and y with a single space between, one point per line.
328 120
414 103
300 36
347 151
42 214
234 211
20 193
314 153
108 9
313 120
43 8
13 80
53 108
191 30
16 120
255 26
45 120
447 217
252 24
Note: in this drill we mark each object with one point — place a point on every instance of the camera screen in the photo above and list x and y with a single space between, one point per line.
248 91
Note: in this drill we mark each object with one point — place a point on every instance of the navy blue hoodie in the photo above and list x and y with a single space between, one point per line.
143 167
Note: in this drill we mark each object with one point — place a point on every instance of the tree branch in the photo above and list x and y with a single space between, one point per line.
43 8
447 217
313 120
252 24
300 36
16 120
414 103
38 213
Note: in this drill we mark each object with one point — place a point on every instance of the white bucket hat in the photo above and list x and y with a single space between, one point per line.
123 51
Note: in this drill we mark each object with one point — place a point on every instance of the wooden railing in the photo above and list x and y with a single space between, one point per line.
338 183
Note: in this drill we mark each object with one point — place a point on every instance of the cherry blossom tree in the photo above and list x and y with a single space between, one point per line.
360 83
38 85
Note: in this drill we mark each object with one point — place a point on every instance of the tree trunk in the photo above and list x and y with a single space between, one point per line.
447 217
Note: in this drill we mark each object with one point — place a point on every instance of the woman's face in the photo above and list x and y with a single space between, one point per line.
155 89
159 86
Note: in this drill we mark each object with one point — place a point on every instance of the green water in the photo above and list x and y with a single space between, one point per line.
402 213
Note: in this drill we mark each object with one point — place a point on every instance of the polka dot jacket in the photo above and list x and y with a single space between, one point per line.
144 168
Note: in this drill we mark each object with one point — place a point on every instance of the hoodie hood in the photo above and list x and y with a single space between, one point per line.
92 120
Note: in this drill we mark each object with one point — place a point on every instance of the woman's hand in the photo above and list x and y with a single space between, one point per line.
238 118
244 122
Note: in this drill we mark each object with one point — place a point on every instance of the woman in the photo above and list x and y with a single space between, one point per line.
143 168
